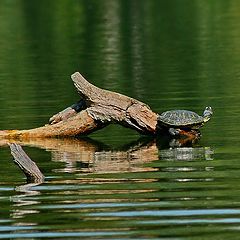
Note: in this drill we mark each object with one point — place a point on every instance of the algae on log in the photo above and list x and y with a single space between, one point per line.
101 107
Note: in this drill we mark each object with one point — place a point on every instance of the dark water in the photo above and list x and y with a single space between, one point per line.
115 184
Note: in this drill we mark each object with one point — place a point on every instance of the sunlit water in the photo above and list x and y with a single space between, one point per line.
115 184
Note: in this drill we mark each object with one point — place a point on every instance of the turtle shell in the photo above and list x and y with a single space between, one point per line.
181 118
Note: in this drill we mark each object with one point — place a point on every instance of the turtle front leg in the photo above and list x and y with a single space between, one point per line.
174 131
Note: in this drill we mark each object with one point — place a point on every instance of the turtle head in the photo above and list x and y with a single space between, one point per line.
208 112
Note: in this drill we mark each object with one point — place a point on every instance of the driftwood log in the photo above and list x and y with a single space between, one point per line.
96 109
29 168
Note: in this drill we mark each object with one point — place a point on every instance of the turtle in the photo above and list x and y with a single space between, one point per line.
176 120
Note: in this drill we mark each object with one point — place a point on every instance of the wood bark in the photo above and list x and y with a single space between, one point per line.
107 106
81 123
101 108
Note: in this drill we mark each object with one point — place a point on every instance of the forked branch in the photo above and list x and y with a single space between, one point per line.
97 109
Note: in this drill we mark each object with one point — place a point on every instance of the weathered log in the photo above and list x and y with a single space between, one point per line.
81 123
96 109
108 106
100 108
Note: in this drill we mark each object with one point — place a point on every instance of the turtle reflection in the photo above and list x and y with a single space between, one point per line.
186 154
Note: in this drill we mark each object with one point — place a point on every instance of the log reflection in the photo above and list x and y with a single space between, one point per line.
86 155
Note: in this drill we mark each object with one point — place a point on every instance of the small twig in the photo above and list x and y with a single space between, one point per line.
29 168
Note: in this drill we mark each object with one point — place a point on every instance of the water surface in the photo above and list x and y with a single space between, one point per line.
180 54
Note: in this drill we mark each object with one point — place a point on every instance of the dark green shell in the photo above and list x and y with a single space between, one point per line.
181 118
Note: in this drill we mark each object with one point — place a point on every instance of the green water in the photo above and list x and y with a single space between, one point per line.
178 54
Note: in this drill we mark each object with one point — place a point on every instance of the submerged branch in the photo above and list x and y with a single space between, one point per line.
29 168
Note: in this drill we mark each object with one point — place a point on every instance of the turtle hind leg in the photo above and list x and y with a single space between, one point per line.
191 134
184 133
